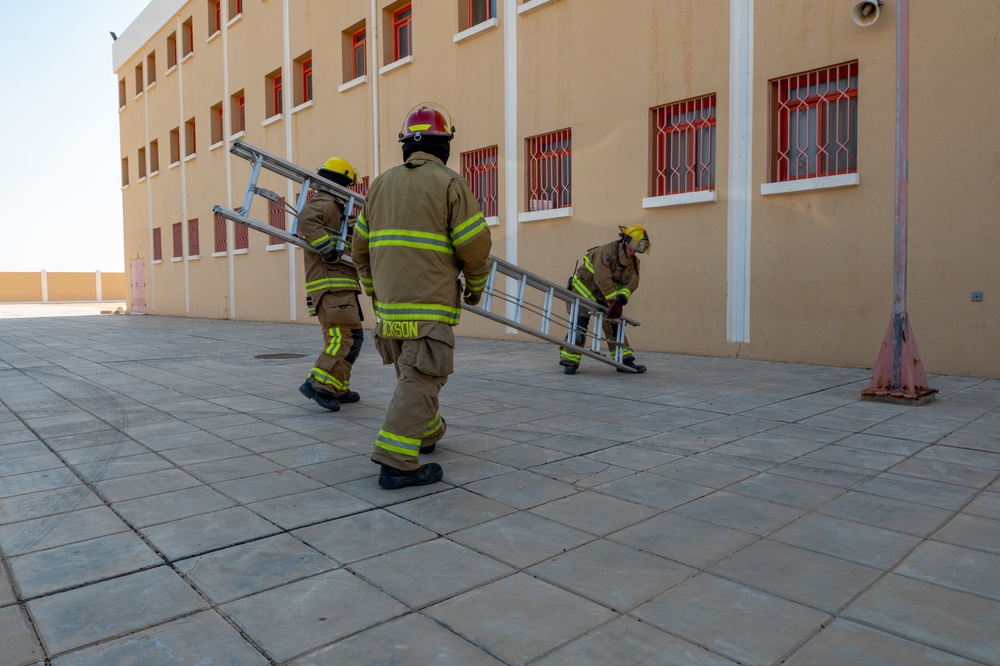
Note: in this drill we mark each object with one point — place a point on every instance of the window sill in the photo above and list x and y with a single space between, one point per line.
273 119
220 254
174 260
493 220
190 54
174 165
154 173
275 248
194 257
150 86
532 5
121 108
238 135
170 70
142 179
243 250
396 65
353 83
476 29
235 19
124 187
215 35
538 215
682 199
157 261
217 144
811 184
138 95
303 105
190 157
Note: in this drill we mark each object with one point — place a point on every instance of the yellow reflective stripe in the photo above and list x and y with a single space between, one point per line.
476 285
581 288
466 230
332 283
417 312
336 338
586 263
422 240
433 426
419 128
327 379
321 240
569 356
361 226
397 443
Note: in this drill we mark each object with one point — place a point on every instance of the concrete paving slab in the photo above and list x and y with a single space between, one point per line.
711 511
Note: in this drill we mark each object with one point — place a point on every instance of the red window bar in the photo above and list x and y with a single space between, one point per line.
157 245
361 187
359 49
178 234
217 25
276 218
479 167
194 248
549 174
403 32
242 235
217 124
238 8
171 50
276 86
307 80
242 103
188 37
221 244
817 123
481 10
684 147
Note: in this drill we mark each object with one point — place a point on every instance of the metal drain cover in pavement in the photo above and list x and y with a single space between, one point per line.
271 357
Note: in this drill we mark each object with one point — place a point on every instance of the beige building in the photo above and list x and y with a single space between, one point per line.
754 140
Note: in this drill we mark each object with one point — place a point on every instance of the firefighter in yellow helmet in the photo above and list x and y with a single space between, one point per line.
421 227
609 275
332 290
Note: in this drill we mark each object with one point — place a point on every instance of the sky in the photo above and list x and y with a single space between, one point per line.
60 153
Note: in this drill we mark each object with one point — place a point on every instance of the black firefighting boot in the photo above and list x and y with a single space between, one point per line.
322 398
347 397
569 369
391 478
630 362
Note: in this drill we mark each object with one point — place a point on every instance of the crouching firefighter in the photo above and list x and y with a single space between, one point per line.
609 276
332 290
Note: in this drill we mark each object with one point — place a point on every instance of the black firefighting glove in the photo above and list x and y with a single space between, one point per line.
327 251
472 297
615 307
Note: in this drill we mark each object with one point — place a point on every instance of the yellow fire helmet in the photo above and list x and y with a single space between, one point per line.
635 237
340 166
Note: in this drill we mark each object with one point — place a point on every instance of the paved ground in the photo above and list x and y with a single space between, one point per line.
167 497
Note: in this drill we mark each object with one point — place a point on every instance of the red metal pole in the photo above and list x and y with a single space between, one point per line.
898 375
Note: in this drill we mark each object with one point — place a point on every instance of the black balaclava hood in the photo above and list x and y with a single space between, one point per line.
438 146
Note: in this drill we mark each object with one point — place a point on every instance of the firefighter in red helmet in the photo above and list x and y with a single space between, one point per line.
421 227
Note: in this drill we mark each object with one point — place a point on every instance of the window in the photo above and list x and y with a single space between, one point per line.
474 12
142 163
238 112
402 32
190 139
124 172
683 155
157 245
178 234
139 82
121 93
361 187
242 234
154 156
172 50
220 233
276 218
217 123
151 68
273 93
549 183
175 145
479 167
214 16
235 8
194 248
187 36
359 58
815 123
304 81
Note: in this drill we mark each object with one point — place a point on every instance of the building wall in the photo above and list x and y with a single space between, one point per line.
46 286
816 283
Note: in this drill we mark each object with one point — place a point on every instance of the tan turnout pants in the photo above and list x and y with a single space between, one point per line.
340 319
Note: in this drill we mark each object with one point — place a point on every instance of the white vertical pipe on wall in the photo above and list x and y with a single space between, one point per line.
510 144
149 192
740 181
45 286
98 285
227 130
373 73
286 91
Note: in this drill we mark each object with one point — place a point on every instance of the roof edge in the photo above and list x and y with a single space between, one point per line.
149 21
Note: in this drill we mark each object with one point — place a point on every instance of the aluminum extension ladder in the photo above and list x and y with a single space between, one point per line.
532 300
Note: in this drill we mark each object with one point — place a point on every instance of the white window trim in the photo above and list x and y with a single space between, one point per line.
122 108
125 187
176 259
396 65
217 144
220 254
137 96
150 86
170 70
273 119
353 82
189 55
154 173
234 20
532 5
244 250
489 24
211 38
142 179
238 135
174 165
552 214
157 261
681 199
188 158
493 220
303 105
274 248
194 256
811 184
